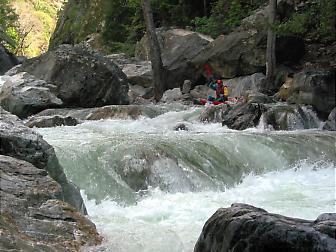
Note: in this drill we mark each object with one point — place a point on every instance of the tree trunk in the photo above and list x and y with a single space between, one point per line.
271 37
205 8
154 51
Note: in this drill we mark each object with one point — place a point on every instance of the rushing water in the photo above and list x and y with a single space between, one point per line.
148 187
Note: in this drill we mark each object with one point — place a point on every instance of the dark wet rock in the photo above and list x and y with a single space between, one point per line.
51 121
7 60
106 112
23 95
83 77
242 116
214 114
241 85
243 227
282 116
32 218
18 141
330 124
181 126
314 87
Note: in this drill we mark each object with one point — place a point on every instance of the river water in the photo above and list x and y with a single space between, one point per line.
148 187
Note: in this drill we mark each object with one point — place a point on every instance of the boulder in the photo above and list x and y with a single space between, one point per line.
282 116
32 218
138 72
7 60
241 85
314 87
23 95
178 48
135 92
242 116
214 114
171 95
236 54
51 121
186 88
243 227
330 124
286 81
200 92
257 97
106 112
142 47
83 78
18 141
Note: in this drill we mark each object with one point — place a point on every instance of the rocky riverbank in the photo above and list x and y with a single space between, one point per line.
40 209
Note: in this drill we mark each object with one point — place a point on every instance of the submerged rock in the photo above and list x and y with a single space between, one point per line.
23 95
106 112
18 141
51 121
83 77
246 228
32 218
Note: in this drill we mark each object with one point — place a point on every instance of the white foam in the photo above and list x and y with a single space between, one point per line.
173 222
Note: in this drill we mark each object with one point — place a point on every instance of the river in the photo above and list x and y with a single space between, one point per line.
149 188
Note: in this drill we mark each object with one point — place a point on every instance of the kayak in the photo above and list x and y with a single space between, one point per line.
230 101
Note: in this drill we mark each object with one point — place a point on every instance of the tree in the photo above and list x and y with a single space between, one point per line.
8 25
154 51
271 37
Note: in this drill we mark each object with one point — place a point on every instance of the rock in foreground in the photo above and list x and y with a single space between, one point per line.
18 141
246 228
32 218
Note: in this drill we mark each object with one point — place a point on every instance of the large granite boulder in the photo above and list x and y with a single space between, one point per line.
314 87
283 116
138 72
246 228
239 86
7 60
236 54
178 48
32 218
83 77
23 95
18 141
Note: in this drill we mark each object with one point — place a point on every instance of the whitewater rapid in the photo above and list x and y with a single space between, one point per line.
148 187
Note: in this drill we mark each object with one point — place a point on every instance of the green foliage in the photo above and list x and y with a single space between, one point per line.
316 20
8 25
225 16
